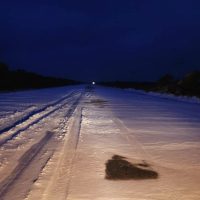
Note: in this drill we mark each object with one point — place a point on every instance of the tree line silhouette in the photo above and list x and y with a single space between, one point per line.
21 79
189 85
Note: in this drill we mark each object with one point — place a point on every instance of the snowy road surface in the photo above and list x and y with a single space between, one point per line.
54 144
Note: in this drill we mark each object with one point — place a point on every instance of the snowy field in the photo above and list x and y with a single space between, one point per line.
55 143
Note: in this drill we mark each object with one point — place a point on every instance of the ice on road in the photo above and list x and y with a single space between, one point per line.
89 126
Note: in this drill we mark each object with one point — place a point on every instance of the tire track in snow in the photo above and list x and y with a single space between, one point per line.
32 164
24 163
42 116
59 182
34 112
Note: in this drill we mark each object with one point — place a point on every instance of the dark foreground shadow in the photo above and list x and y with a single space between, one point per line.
118 168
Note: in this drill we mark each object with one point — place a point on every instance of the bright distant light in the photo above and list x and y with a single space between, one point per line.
93 83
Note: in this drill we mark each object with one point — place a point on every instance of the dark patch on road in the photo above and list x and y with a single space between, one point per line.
118 168
97 102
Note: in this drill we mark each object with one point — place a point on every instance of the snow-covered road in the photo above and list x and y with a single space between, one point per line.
54 144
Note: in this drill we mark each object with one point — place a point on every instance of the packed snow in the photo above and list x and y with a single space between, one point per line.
61 150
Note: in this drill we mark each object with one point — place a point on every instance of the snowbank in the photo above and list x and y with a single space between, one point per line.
167 96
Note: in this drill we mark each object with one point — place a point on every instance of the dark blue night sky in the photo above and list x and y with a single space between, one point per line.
101 40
